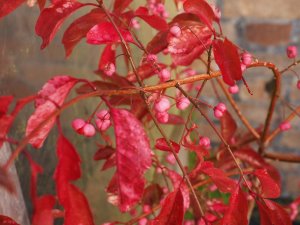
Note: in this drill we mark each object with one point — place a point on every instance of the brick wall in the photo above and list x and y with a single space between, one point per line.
265 28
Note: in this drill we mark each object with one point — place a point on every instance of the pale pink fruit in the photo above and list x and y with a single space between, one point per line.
246 58
218 113
103 125
233 89
175 30
109 69
162 117
78 124
88 130
291 51
204 141
182 103
135 24
151 58
222 107
171 159
103 115
284 126
143 221
243 67
164 75
146 208
162 104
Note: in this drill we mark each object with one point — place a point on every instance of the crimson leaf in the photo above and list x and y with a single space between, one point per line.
7 220
79 28
51 96
133 158
237 203
153 20
121 5
8 6
51 19
43 210
104 153
105 33
202 9
172 210
228 60
228 126
107 57
269 187
161 144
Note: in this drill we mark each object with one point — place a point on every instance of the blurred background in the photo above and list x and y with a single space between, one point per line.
264 28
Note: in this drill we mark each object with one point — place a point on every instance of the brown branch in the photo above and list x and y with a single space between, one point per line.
290 66
283 157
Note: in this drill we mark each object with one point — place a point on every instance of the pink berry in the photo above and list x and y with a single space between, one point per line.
233 89
164 75
165 14
292 51
78 124
171 159
204 141
135 24
146 208
182 103
151 58
103 115
162 104
189 222
103 125
243 67
109 69
162 117
143 221
221 106
160 7
88 130
175 30
284 126
246 58
298 84
218 113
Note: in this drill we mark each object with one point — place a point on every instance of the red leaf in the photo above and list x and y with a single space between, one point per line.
133 158
161 144
51 19
237 203
198 38
105 33
6 122
269 187
6 181
43 210
79 28
228 126
272 213
104 153
121 5
68 167
4 104
109 163
179 182
153 20
77 210
158 43
51 96
7 7
108 56
172 210
202 9
224 183
228 60
145 71
5 220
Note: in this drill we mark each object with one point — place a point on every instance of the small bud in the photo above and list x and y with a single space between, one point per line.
243 67
162 104
109 69
103 115
162 117
175 30
78 124
182 103
222 107
160 8
233 89
204 141
151 58
143 221
88 130
171 159
246 58
298 84
135 24
292 51
103 125
164 75
146 208
284 126
218 113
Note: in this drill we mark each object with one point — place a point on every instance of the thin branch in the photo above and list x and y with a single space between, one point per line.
290 66
283 157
